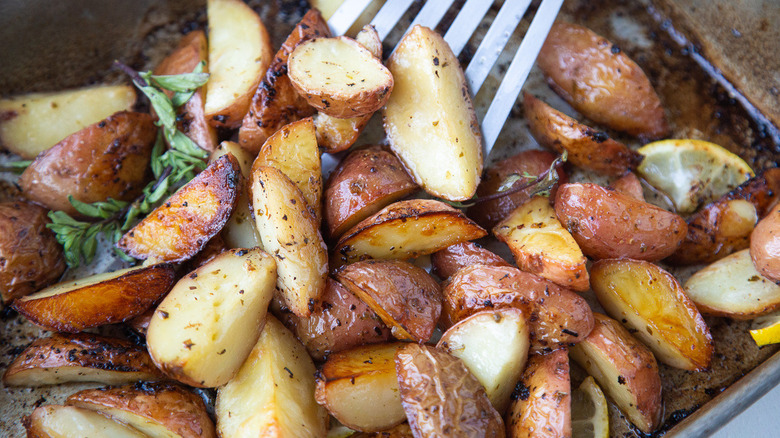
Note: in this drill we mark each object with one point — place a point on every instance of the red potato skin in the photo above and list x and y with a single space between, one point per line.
765 246
609 224
450 260
629 184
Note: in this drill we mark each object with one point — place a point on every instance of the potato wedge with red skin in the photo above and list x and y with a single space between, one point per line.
533 162
625 369
109 298
53 421
80 357
441 397
609 224
557 316
406 297
542 407
276 103
586 147
765 246
154 408
365 181
348 377
406 229
181 227
653 305
31 256
629 184
601 82
452 258
107 159
239 231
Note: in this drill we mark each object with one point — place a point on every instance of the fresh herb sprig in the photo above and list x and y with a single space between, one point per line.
172 166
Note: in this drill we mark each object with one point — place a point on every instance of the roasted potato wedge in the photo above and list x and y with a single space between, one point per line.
406 297
109 298
66 421
449 260
629 184
30 257
108 159
625 369
240 51
493 344
542 246
365 181
80 358
733 287
32 123
557 317
586 147
240 230
181 227
290 233
273 393
609 224
765 246
542 407
156 409
401 431
653 306
329 7
349 377
406 229
426 70
276 103
601 82
441 397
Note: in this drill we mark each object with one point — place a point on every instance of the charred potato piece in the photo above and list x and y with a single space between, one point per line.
441 397
30 257
105 160
765 246
239 231
452 258
601 82
66 421
401 431
181 227
629 184
609 224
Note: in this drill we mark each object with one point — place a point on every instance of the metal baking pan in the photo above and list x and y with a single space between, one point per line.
55 45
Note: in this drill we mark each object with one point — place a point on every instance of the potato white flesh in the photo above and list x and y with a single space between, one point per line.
205 327
240 51
349 378
733 287
430 105
273 393
32 123
290 233
239 231
542 246
494 346
67 421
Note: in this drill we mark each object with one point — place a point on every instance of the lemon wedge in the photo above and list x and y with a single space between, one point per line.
692 172
589 414
766 329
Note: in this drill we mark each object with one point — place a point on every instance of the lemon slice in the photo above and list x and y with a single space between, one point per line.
692 172
766 329
589 415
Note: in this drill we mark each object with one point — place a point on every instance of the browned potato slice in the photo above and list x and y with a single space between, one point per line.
80 358
67 421
401 431
109 298
406 229
350 378
542 246
493 344
431 105
293 150
609 224
240 51
531 162
765 246
156 409
601 82
365 181
557 316
276 103
240 230
653 305
406 297
543 404
733 287
31 257
208 323
629 184
289 232
273 393
451 259
32 123
441 397
586 147
181 227
105 160
625 369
